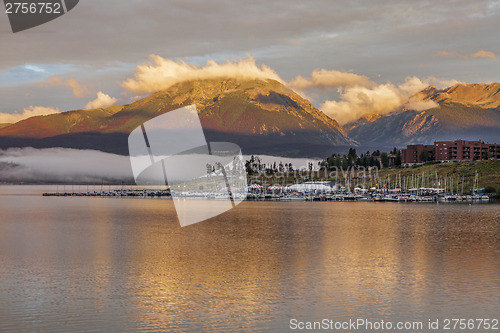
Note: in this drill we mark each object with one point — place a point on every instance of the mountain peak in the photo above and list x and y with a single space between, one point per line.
468 111
430 89
258 115
484 95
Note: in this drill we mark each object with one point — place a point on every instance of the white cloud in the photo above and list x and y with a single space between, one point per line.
323 78
162 73
28 112
360 96
356 102
442 83
102 101
35 68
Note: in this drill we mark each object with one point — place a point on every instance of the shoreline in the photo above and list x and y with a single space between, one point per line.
330 197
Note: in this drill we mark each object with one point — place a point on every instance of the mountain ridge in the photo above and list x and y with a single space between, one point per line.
476 94
259 115
464 111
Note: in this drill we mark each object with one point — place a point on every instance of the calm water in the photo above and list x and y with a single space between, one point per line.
96 264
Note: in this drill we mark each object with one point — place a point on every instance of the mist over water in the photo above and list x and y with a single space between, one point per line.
82 264
73 166
63 165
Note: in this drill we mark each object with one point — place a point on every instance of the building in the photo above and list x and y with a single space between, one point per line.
445 151
411 155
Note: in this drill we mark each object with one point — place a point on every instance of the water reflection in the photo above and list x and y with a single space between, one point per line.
125 264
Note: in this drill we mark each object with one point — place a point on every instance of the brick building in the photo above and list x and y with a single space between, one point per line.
411 155
458 150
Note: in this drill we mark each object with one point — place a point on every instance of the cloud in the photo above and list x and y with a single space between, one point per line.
484 54
79 91
442 83
388 38
448 54
80 166
356 102
102 101
323 78
360 96
478 55
162 73
28 112
420 105
63 165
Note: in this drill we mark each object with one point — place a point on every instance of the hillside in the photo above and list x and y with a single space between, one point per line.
489 172
470 112
261 116
480 94
77 121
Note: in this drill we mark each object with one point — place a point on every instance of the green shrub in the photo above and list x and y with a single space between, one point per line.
489 189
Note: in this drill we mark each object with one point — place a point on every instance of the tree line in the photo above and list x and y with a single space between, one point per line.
340 161
373 159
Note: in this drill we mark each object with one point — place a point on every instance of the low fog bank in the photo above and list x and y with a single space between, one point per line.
62 165
74 166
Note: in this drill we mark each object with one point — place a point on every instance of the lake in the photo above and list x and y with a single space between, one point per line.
125 265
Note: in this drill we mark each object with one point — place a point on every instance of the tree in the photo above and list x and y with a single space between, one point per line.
345 163
365 161
248 167
384 158
254 165
352 153
338 162
349 161
425 156
489 189
397 160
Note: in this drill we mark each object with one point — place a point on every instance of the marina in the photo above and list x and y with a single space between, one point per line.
307 192
360 187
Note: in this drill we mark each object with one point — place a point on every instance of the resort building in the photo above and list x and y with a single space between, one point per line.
447 151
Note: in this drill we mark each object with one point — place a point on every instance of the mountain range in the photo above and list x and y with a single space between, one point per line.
463 111
266 117
261 116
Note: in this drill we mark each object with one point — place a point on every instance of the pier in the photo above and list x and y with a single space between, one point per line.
143 193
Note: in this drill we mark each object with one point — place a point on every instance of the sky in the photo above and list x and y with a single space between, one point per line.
348 57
